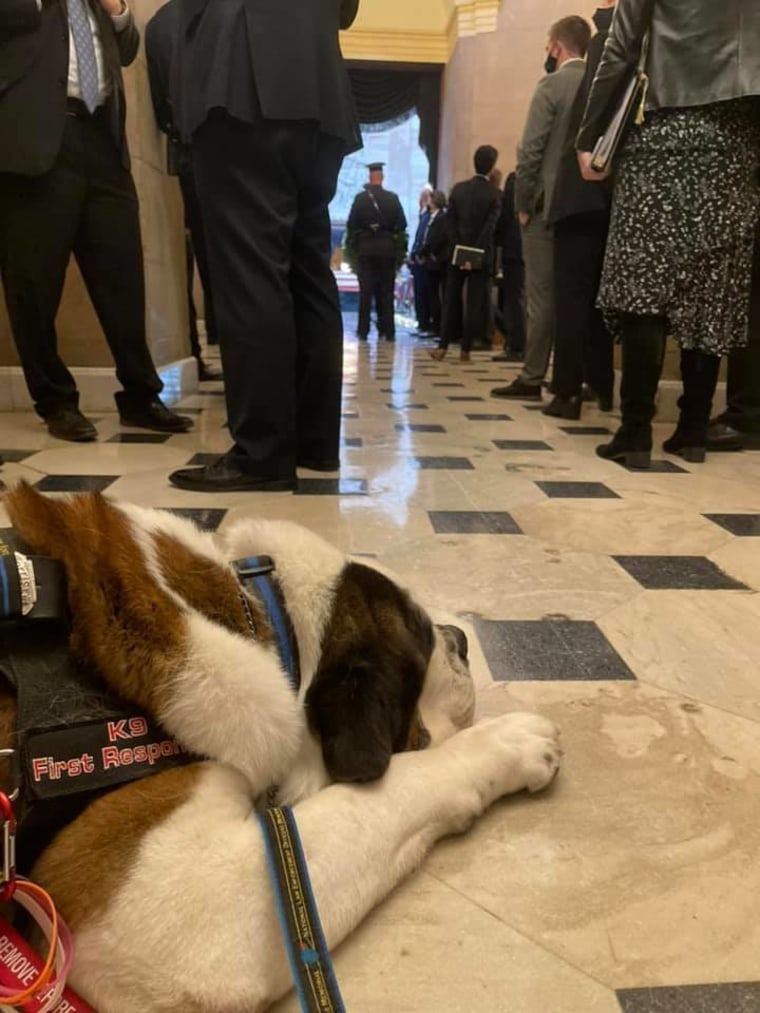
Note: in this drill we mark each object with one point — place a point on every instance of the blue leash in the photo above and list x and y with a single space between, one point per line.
308 955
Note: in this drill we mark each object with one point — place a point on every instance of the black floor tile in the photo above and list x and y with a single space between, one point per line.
743 525
473 522
16 455
352 441
488 417
577 490
549 649
491 379
206 518
139 438
402 407
736 997
331 487
393 390
349 415
476 371
75 483
678 573
586 430
419 427
656 468
452 384
463 397
522 445
449 463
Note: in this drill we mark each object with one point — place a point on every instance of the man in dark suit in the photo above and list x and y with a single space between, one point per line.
65 186
580 215
161 34
376 238
511 308
267 102
422 299
474 207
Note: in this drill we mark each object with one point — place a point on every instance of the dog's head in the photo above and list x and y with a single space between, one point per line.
388 679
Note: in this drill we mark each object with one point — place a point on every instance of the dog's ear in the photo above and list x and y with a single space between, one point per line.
362 706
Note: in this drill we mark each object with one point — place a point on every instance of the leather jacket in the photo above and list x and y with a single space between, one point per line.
700 52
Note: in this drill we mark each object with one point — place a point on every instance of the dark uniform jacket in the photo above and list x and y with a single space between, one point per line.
34 71
508 235
375 223
474 207
266 58
700 52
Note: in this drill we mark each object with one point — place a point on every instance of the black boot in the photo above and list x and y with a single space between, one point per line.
699 373
643 353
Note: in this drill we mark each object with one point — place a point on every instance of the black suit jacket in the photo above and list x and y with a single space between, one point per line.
572 194
161 36
34 68
508 235
267 58
474 207
435 248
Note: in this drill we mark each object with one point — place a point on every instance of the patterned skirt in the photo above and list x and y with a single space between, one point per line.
687 196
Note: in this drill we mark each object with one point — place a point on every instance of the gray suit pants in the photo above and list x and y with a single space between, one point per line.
538 254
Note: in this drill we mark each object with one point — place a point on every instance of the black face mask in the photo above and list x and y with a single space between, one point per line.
603 18
550 65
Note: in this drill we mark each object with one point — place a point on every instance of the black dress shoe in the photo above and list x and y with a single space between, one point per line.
688 442
207 372
564 408
70 424
320 463
518 390
722 437
156 416
224 475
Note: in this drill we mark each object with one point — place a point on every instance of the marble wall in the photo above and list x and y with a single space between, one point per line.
489 82
81 340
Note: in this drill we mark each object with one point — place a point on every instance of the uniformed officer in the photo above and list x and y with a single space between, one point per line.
376 243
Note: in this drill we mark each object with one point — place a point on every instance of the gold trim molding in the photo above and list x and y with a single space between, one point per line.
474 17
396 46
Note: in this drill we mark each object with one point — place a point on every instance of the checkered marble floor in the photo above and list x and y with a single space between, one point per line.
623 605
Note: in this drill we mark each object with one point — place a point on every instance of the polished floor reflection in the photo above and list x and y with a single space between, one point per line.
621 604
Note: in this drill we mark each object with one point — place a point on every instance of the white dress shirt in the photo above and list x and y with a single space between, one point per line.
120 22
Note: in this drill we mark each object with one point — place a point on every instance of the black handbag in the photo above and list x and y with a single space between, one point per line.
629 110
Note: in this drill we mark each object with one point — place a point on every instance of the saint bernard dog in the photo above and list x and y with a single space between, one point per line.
164 881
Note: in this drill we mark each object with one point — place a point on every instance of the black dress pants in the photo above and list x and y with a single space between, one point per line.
512 305
583 347
85 204
264 189
422 296
377 283
436 287
194 225
466 309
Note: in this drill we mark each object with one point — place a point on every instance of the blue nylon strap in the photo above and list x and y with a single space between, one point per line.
255 574
308 955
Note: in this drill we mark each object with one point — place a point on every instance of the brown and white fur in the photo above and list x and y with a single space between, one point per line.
164 881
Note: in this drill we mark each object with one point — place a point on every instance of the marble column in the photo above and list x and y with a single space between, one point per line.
81 340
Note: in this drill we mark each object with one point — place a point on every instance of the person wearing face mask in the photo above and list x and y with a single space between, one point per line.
539 156
685 206
580 215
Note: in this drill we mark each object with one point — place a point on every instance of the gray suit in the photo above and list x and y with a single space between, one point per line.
538 161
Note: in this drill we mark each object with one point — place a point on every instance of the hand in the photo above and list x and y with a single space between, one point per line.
584 163
113 7
523 218
467 266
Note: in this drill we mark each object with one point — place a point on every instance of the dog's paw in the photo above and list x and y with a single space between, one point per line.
514 752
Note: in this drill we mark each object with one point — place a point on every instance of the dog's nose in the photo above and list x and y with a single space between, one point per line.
458 638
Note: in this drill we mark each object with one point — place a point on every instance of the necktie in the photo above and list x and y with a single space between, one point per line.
85 50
